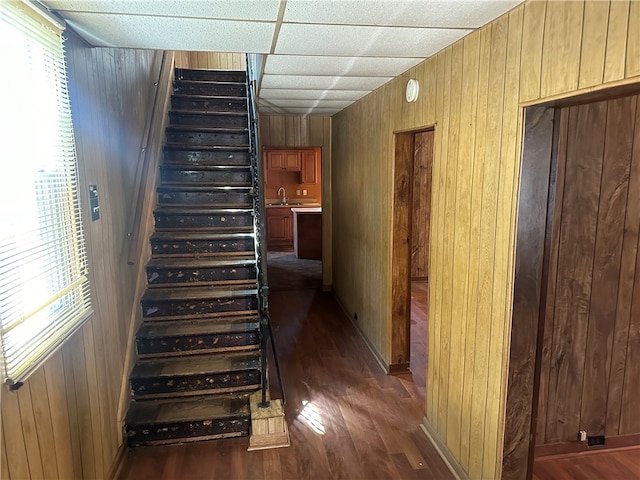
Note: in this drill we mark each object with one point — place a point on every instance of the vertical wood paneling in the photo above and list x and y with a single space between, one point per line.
592 272
594 42
615 59
632 65
532 40
211 60
421 203
538 50
477 342
62 422
606 265
561 47
624 362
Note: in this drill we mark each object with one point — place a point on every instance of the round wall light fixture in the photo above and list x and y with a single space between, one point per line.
413 88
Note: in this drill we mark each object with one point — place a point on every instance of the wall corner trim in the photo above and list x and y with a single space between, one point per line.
444 452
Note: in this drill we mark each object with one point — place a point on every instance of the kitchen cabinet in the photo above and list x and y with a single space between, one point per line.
279 226
289 160
309 166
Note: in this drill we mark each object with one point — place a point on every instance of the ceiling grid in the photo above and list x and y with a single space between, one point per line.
321 55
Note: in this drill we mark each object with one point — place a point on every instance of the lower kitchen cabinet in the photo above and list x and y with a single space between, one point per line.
279 226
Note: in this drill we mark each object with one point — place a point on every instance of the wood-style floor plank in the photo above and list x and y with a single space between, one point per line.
347 420
622 464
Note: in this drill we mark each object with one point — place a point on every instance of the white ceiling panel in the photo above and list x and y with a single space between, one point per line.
282 102
135 31
366 84
326 53
274 93
413 13
266 10
364 41
339 66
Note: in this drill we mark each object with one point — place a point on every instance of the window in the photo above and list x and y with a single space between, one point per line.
44 289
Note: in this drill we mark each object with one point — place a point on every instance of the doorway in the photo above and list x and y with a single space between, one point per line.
410 258
576 307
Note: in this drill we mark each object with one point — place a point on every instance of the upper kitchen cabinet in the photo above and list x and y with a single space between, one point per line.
284 160
309 166
304 161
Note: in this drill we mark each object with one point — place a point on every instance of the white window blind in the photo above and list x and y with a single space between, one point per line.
44 290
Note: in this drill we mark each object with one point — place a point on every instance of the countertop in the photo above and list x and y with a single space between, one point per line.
306 209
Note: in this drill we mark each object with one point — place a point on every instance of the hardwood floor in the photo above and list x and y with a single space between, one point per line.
623 464
419 312
346 418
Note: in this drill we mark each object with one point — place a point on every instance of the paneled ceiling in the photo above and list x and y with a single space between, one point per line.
320 55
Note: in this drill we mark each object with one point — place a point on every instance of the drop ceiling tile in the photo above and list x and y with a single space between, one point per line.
165 33
364 41
220 9
339 66
365 84
408 13
292 94
304 111
281 102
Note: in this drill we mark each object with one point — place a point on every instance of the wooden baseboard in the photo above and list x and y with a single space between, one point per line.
572 448
399 368
384 366
117 463
444 452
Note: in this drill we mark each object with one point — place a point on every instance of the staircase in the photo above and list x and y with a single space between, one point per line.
199 350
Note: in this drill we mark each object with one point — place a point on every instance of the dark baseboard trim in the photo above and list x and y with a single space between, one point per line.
399 368
384 366
444 452
573 448
117 463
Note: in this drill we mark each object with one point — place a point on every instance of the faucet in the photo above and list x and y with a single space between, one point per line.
283 200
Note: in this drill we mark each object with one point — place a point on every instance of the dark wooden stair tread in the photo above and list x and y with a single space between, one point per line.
190 209
206 262
204 407
196 293
212 83
193 365
190 187
201 326
200 147
191 236
206 97
182 111
195 128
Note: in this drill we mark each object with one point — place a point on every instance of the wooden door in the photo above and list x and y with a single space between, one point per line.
421 204
591 344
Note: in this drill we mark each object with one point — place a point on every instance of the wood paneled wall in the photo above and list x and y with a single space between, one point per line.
211 60
62 423
472 92
589 375
309 131
421 203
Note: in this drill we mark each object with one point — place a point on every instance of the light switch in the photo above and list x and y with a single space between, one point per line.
93 202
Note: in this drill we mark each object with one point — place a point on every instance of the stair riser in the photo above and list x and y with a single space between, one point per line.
198 157
220 121
175 386
214 275
202 247
208 138
174 345
173 222
241 176
216 104
211 75
157 434
219 89
185 308
205 198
